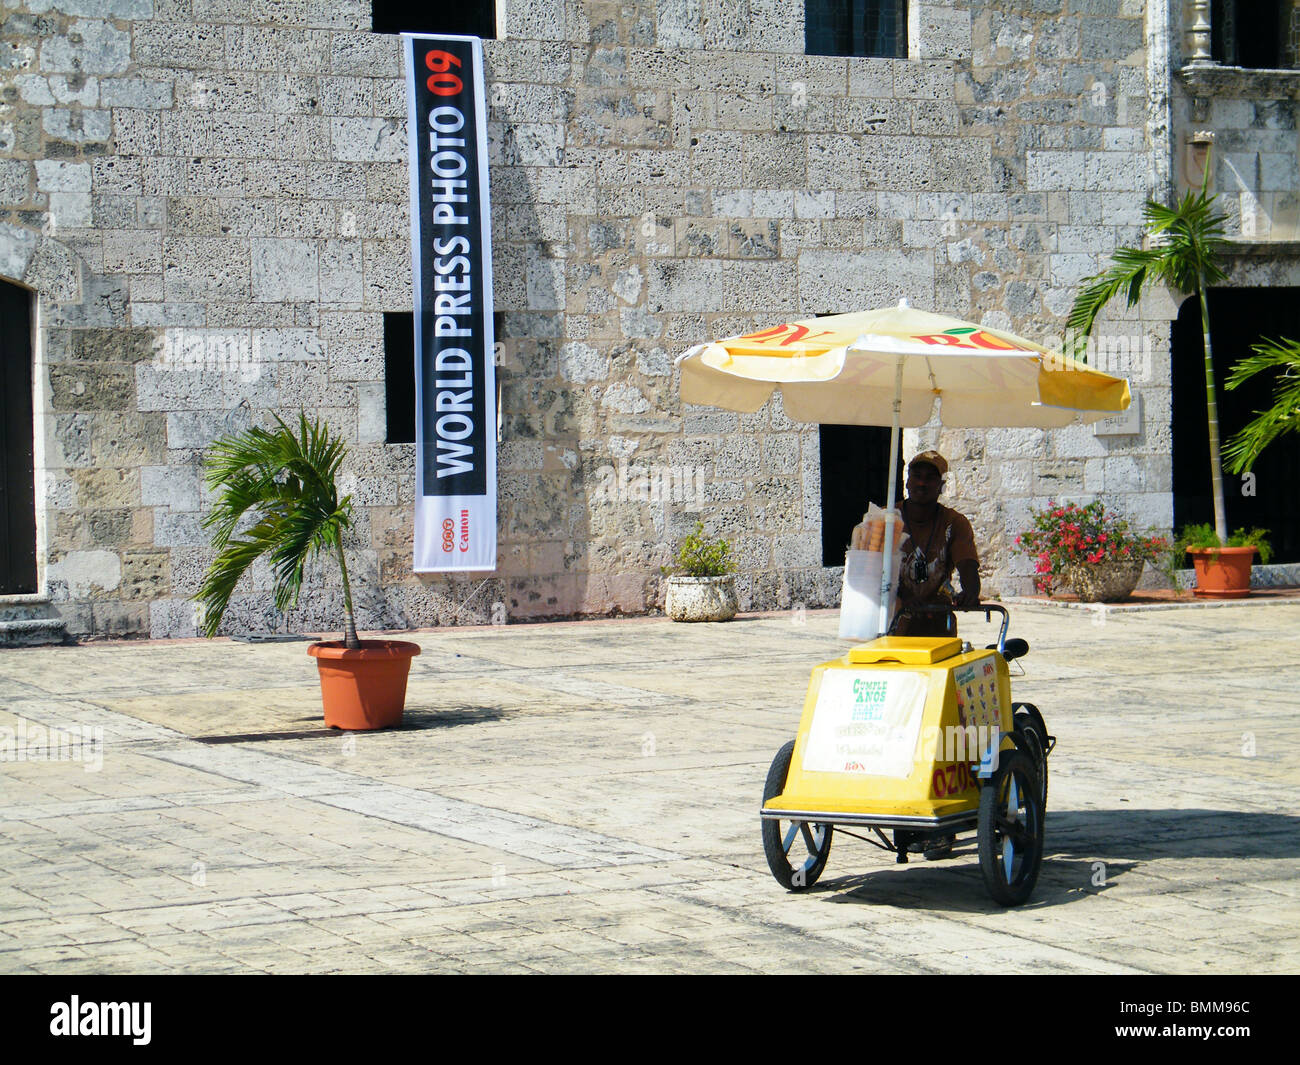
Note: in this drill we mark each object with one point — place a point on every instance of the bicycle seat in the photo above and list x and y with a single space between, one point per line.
1016 648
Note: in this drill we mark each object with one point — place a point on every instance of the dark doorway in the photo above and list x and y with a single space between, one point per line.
474 18
856 27
855 461
399 376
1239 318
17 479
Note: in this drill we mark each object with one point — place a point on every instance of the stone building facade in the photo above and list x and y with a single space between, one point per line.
208 202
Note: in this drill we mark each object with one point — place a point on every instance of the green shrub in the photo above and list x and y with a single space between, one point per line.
1196 537
700 557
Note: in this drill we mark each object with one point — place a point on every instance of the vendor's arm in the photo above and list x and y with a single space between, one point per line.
969 572
967 560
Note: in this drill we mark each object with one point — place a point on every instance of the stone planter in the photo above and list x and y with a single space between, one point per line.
702 598
1105 582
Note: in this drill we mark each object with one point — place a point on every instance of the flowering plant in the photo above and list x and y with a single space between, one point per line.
1066 536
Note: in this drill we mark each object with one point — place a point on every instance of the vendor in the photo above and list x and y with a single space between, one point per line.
936 539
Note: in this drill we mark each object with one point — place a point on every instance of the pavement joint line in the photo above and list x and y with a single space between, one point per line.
522 836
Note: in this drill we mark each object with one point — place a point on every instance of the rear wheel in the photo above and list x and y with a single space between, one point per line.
1011 829
796 850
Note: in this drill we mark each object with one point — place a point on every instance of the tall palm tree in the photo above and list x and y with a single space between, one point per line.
1186 241
1281 418
286 482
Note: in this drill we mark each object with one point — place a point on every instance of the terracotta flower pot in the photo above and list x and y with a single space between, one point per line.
1222 572
363 688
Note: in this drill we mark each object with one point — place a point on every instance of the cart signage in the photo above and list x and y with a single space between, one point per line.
866 722
978 702
451 258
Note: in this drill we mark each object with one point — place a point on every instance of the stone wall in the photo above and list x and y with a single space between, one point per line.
226 184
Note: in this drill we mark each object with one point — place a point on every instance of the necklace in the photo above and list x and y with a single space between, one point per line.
921 565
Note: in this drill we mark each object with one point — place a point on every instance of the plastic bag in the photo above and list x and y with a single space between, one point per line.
869 533
863 563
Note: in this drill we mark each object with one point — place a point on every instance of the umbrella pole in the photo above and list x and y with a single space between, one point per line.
887 562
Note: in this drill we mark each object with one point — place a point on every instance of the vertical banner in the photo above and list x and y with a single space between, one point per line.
451 257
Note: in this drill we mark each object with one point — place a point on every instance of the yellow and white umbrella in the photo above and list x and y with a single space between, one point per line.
888 367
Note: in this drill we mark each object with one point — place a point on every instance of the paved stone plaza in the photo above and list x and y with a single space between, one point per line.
583 798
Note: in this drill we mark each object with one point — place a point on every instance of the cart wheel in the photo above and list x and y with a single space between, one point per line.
795 867
1030 723
1011 830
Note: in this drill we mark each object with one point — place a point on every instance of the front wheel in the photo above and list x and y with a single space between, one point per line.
1011 829
796 850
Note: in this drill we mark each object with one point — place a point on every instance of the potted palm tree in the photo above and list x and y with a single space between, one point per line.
1223 569
1184 254
286 484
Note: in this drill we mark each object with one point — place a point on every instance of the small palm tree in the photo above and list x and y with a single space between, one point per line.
288 482
1281 418
1184 254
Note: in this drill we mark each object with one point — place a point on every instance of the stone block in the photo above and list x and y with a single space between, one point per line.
367 140
284 270
581 363
138 93
386 274
369 55
97 488
545 283
90 574
146 575
88 47
205 268
942 32
54 175
684 285
173 619
1110 38
281 49
356 359
174 487
133 251
115 618
834 280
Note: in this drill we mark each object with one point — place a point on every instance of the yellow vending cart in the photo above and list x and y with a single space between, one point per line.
917 737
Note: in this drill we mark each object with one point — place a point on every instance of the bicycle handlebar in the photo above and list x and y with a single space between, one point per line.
951 608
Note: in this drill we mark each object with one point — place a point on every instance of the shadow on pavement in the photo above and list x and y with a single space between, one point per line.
452 717
1144 835
412 721
1087 851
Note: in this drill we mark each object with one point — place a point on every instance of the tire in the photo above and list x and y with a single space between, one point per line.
1011 830
779 836
1029 722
